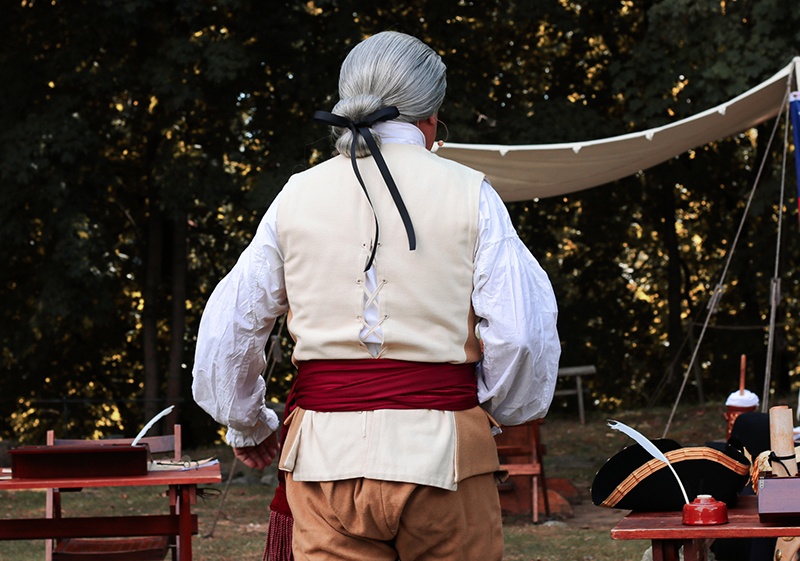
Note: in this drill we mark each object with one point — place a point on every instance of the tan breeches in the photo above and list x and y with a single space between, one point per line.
370 520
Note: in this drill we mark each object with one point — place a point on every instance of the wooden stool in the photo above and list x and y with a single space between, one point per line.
521 454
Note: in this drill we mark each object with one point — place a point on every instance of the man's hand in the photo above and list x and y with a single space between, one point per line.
260 456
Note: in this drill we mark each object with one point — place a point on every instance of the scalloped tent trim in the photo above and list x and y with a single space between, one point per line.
523 172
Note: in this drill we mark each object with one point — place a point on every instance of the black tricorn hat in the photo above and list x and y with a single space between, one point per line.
633 479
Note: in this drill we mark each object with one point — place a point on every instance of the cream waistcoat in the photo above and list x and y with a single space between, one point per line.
326 226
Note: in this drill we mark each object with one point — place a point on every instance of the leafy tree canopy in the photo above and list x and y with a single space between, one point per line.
142 140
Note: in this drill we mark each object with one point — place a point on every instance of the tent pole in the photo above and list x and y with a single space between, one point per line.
775 286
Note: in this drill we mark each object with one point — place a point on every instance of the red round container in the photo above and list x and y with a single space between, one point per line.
705 510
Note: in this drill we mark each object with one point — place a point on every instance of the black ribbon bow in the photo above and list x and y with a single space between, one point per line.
774 458
361 127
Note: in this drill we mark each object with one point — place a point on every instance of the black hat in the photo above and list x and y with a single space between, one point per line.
751 432
634 480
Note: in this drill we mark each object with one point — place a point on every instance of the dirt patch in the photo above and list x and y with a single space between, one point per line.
587 516
570 505
581 512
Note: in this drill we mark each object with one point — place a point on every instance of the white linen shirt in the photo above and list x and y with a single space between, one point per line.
512 297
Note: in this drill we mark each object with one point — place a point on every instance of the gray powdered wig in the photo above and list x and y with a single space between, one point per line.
388 69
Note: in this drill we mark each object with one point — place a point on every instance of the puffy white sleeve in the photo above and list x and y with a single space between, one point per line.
517 312
234 331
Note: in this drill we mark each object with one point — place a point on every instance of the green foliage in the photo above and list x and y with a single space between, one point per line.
120 116
692 56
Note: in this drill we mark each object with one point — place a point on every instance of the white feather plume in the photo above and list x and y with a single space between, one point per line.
150 423
643 441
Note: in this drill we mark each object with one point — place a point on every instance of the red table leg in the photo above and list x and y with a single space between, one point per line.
666 550
694 550
669 550
185 497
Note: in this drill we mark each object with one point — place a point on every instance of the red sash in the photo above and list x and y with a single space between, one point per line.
367 385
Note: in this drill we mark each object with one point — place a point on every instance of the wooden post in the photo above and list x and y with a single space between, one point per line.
781 439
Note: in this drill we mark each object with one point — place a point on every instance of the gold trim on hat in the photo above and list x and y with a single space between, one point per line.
674 456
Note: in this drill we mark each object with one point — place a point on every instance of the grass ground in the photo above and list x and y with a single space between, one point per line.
237 530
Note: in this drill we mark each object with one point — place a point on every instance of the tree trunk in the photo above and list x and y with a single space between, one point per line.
150 313
674 280
178 327
674 285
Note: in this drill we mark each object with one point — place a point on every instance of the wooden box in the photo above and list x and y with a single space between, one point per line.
75 461
778 498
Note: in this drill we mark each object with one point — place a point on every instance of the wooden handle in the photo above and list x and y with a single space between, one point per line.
742 370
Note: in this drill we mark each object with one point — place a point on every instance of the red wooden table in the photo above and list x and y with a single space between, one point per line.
668 534
182 490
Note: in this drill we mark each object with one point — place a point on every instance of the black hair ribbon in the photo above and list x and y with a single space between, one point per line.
361 127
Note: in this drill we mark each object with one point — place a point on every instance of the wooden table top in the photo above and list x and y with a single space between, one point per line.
204 475
743 522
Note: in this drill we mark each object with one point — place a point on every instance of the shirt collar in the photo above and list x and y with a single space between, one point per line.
398 132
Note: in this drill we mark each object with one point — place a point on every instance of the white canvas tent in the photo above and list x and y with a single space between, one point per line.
523 172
